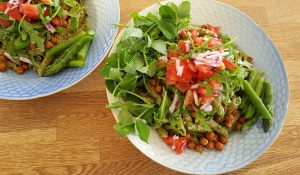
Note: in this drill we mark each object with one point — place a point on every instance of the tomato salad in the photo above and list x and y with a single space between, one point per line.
46 36
189 83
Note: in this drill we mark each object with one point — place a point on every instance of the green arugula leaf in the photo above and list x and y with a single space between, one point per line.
163 109
168 28
167 12
125 116
115 74
184 9
124 129
132 32
148 20
200 116
34 35
160 46
129 82
152 68
142 129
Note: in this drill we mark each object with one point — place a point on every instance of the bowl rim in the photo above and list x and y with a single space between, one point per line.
131 137
83 77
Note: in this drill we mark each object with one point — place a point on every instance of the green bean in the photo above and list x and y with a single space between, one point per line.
258 90
61 63
56 49
45 63
83 52
268 101
254 79
252 75
256 101
76 63
250 122
217 127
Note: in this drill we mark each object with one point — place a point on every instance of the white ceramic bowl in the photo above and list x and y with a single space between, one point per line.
101 14
243 148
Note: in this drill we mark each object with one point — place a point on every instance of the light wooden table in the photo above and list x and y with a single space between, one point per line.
71 132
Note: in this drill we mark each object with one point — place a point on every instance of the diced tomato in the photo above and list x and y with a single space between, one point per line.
174 53
215 85
30 10
206 99
189 98
3 6
214 42
183 87
201 91
198 41
183 46
59 21
191 65
228 64
169 140
216 30
187 74
171 74
180 144
203 68
182 34
203 76
194 34
15 14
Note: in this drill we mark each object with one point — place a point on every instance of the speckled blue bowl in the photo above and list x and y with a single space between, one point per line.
101 14
243 148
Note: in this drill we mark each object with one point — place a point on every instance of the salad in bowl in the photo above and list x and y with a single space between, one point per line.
190 83
45 36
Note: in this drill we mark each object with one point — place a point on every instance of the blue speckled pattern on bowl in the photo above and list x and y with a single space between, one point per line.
101 14
243 148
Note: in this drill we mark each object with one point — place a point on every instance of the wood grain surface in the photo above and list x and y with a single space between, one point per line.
71 132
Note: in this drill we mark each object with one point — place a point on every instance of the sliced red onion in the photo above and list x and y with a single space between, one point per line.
180 71
13 7
195 86
196 98
207 107
173 104
29 1
13 2
218 55
177 64
187 46
8 56
175 137
205 54
50 27
163 58
25 60
173 147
